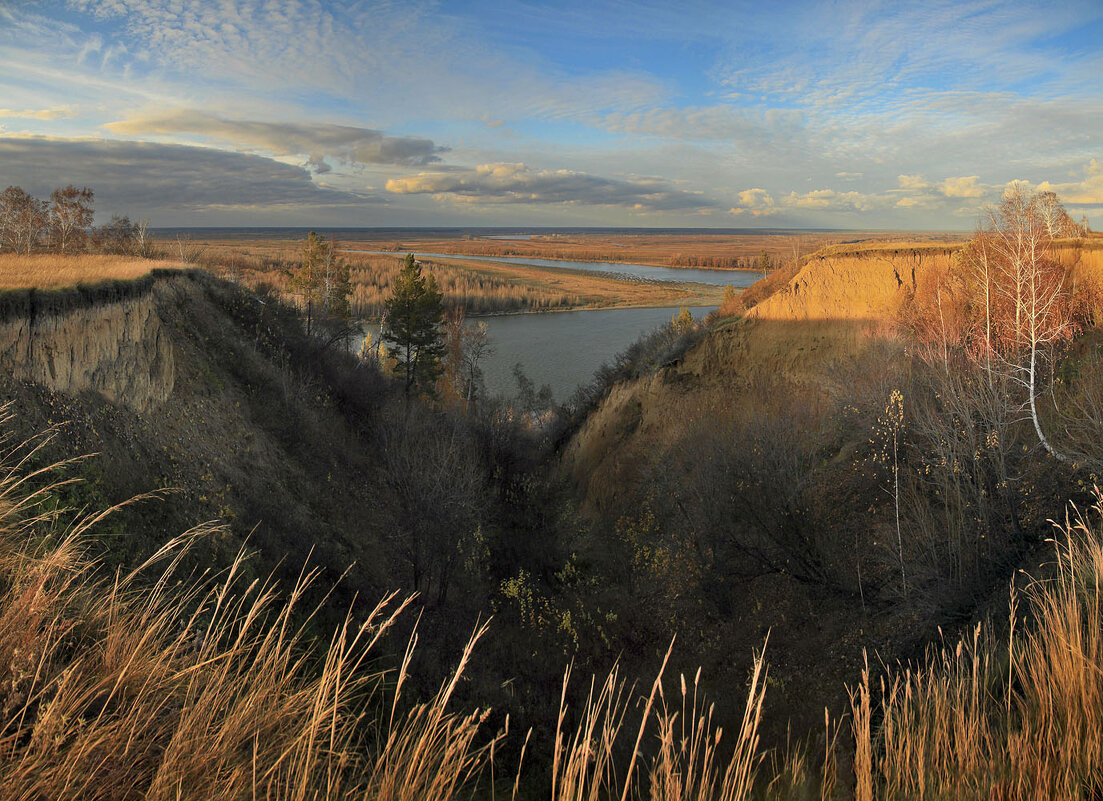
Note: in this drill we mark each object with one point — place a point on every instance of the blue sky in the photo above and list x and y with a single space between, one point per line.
606 112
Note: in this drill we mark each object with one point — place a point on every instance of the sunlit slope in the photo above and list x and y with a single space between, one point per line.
870 282
830 326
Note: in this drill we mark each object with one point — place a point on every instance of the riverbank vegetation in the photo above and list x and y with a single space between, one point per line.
747 250
479 289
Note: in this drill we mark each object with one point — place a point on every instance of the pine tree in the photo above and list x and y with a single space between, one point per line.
413 318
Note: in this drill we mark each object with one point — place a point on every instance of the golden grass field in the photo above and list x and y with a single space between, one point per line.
50 271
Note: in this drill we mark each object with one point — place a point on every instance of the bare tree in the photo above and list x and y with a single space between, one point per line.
71 216
8 213
1057 221
25 219
143 241
476 347
188 251
432 500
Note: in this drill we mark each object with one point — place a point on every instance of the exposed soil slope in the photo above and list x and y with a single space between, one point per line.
211 396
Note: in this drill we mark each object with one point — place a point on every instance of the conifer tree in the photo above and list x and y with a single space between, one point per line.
412 327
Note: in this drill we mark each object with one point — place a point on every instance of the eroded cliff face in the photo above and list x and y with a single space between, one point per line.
118 349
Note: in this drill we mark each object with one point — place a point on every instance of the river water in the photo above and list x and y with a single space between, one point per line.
561 349
564 349
637 272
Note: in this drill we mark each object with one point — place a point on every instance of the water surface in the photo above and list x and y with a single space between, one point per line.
630 272
562 349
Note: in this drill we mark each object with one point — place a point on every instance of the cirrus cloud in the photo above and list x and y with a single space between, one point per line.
55 113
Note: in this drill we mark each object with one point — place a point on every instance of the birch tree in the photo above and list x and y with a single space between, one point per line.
1029 308
71 213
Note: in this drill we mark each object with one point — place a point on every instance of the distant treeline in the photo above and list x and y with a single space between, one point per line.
63 224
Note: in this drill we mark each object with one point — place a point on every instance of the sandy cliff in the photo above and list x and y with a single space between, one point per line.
117 349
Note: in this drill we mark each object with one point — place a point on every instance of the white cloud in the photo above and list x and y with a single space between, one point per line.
830 200
756 202
965 186
1086 192
912 182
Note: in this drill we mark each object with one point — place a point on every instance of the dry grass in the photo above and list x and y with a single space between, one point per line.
143 687
53 271
1014 715
688 759
158 685
163 686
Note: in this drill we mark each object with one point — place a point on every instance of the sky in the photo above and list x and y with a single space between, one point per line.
335 113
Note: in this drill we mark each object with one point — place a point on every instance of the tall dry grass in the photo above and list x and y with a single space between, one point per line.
156 684
1011 715
55 271
159 685
687 758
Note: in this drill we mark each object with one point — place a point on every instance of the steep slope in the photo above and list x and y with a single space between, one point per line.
211 397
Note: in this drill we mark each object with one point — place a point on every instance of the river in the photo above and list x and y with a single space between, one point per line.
561 349
646 272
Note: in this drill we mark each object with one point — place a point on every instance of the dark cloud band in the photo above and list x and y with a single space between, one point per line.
140 178
317 141
517 183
